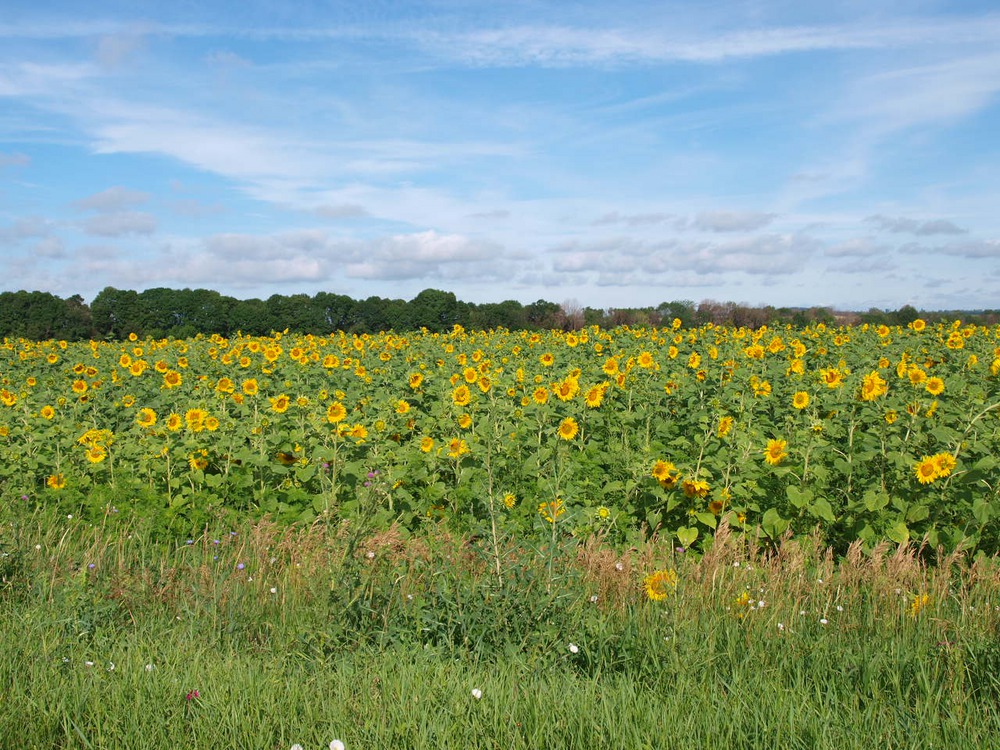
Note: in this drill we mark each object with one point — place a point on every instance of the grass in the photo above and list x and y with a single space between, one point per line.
305 635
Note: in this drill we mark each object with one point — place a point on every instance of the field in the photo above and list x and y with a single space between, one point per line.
503 539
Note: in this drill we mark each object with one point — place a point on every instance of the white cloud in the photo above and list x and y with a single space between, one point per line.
341 211
113 199
731 221
901 224
25 228
120 223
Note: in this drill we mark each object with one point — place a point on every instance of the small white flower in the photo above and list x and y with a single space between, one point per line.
619 567
736 563
781 626
819 580
274 590
38 546
476 693
839 608
574 649
111 666
88 664
760 604
593 599
370 555
70 517
802 613
149 667
336 745
823 621
296 746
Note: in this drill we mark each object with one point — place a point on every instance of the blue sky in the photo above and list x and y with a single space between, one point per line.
616 154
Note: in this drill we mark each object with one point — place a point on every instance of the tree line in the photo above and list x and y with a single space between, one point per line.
160 312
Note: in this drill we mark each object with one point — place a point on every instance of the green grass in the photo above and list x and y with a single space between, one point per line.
384 647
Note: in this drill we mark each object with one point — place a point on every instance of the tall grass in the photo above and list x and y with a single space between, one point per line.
264 636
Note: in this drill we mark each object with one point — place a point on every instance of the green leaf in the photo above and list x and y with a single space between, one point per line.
799 498
898 533
875 500
707 518
821 508
773 524
917 512
686 536
982 510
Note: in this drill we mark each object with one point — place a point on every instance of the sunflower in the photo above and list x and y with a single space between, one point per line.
945 463
568 428
918 325
47 412
426 444
415 380
873 386
800 400
280 403
461 396
831 377
174 422
510 500
540 395
595 395
695 488
926 470
250 387
402 406
645 360
225 385
663 470
935 386
457 448
146 417
725 426
547 359
172 379
465 421
55 481
610 366
660 584
195 419
335 412
96 453
79 386
775 452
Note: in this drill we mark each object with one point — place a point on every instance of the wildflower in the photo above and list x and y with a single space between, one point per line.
510 500
775 452
662 470
919 603
192 695
550 511
660 584
336 745
568 428
56 481
725 426
573 648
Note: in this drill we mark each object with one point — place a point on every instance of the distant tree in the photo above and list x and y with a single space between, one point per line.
432 309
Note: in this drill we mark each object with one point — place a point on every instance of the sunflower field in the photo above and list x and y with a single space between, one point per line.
860 433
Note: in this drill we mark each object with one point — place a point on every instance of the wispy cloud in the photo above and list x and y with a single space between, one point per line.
900 224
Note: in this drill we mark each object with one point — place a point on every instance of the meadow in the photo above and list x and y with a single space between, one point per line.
780 536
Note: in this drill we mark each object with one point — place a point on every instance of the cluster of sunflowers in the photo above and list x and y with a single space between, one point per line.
621 431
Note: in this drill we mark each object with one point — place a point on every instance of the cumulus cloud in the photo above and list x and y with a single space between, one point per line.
429 255
120 223
113 199
900 224
731 221
25 228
